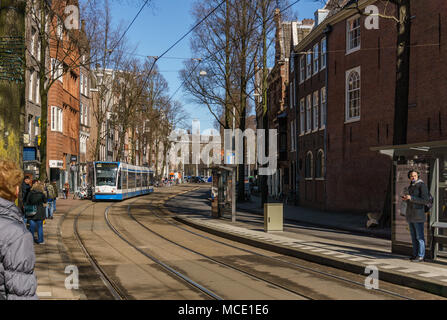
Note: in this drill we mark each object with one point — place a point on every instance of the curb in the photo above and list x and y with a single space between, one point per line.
418 283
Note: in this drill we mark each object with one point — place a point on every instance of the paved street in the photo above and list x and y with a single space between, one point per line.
164 246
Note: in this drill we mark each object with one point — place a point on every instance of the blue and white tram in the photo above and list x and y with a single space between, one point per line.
119 181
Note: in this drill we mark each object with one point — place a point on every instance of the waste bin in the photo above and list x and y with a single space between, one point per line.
273 217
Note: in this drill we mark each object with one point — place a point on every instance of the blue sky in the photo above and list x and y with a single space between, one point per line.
161 25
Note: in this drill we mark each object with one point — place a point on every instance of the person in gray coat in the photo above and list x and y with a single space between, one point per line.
416 200
17 258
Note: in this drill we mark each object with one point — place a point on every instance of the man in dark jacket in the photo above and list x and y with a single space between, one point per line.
416 200
26 187
36 197
17 258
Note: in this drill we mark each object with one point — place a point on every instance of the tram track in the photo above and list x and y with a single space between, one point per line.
217 261
113 288
292 264
161 263
157 208
117 291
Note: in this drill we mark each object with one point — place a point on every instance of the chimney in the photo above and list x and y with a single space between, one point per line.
83 25
320 15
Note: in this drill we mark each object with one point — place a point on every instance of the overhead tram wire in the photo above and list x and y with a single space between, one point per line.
220 49
186 34
129 26
156 58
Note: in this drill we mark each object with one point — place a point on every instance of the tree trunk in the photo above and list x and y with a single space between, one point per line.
263 180
402 91
402 73
12 87
43 133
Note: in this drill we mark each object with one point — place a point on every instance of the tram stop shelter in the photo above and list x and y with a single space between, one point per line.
430 160
223 191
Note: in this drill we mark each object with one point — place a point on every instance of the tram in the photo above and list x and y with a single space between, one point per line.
118 180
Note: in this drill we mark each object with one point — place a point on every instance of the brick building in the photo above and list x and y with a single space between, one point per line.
31 153
311 79
63 106
280 116
361 75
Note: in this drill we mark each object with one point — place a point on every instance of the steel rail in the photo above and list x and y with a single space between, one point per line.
289 263
159 262
217 261
108 282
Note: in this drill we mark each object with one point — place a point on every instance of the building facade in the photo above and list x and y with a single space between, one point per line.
355 90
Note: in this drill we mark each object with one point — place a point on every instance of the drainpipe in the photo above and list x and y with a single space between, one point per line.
326 32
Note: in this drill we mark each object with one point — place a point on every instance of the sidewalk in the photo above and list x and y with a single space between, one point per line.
341 254
355 223
51 257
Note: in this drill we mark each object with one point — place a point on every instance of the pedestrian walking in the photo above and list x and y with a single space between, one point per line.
66 190
418 196
53 183
26 187
17 257
36 212
51 195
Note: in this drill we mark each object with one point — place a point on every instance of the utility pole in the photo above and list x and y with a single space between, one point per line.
12 79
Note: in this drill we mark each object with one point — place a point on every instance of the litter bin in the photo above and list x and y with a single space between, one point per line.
273 217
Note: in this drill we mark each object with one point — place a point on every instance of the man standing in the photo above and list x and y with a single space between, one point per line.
416 200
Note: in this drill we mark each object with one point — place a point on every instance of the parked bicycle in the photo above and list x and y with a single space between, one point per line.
81 193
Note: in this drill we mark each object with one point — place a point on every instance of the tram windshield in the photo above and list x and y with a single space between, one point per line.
106 174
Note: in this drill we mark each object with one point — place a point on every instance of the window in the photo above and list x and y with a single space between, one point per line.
323 108
82 113
309 65
308 113
353 35
319 165
291 95
309 166
33 41
59 28
294 92
315 110
84 85
302 68
81 85
56 119
86 110
30 126
316 58
31 85
302 116
37 89
57 69
293 135
353 94
323 53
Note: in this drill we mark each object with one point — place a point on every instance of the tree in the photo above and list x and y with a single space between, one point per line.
12 79
229 42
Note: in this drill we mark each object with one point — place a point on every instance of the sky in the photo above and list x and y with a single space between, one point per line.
159 26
